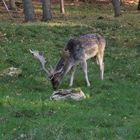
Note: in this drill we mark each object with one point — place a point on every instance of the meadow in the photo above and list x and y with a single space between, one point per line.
111 110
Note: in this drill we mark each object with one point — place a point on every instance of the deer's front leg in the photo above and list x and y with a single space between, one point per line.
84 67
72 77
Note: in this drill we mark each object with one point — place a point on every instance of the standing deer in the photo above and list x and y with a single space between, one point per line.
77 51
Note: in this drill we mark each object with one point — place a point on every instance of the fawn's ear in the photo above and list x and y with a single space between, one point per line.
31 51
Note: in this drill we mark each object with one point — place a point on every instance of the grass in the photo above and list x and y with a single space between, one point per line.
112 109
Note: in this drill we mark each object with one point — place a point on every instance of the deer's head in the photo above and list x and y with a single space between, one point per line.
57 74
54 75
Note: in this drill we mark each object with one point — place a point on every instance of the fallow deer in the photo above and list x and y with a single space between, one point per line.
77 51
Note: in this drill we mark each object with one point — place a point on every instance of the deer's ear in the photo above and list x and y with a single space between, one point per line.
61 53
65 54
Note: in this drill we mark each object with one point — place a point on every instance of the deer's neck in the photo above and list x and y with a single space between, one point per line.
65 66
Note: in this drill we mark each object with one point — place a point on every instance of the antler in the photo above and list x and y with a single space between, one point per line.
58 71
39 56
51 70
55 72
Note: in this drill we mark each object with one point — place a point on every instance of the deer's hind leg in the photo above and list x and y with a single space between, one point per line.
101 64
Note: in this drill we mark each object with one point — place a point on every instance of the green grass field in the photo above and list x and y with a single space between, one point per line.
112 108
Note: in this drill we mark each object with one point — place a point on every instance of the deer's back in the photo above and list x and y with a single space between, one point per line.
83 47
86 46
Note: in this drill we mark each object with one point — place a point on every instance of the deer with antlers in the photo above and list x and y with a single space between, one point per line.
77 51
